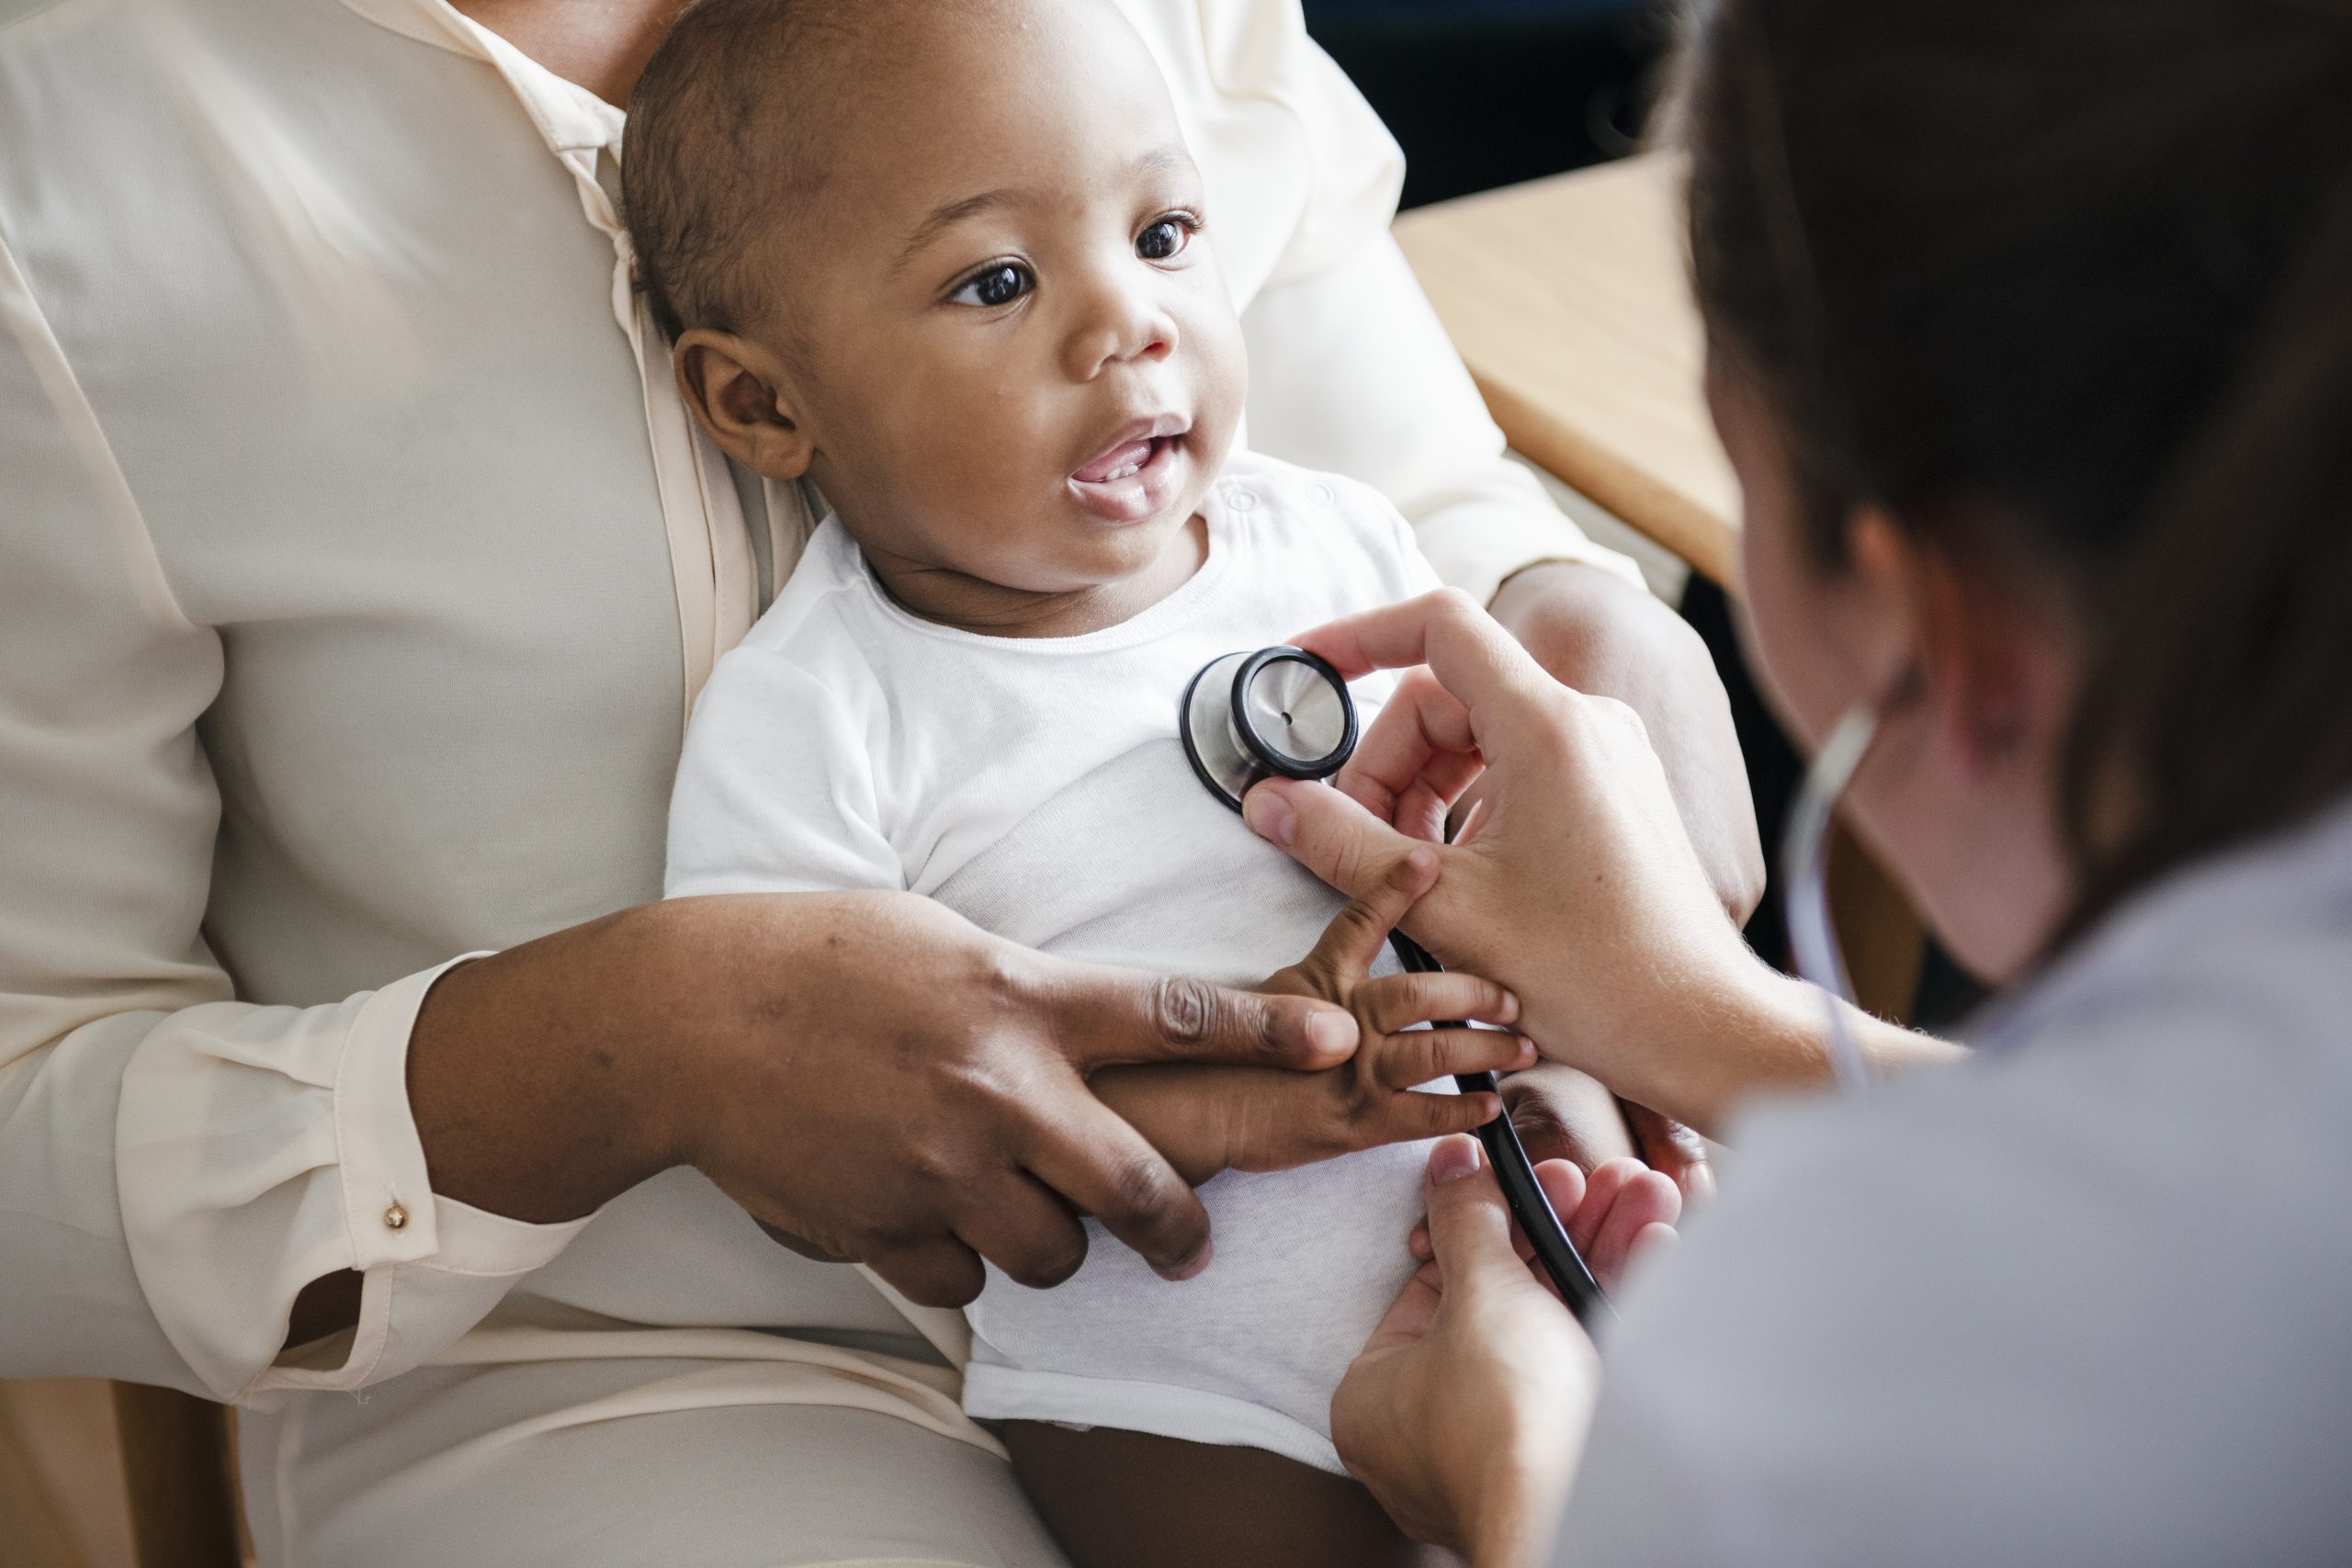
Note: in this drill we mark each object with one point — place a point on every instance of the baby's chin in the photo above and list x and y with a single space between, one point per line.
1094 555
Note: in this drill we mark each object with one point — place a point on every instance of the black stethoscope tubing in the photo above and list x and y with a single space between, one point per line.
1515 1173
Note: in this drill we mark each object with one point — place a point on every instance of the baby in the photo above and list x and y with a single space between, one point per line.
948 260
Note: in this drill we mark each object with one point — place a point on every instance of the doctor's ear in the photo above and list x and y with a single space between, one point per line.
1995 682
740 393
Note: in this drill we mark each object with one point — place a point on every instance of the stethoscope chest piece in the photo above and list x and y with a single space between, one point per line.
1280 712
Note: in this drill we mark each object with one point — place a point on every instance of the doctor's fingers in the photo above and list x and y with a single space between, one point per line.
1096 1162
1104 1016
1625 1205
1676 1151
1469 650
1416 758
1469 1226
1330 835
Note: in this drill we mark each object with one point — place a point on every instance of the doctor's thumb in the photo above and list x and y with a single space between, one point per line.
1469 1224
1327 832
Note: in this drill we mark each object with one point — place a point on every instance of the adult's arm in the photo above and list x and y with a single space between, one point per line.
1577 889
174 1164
177 1165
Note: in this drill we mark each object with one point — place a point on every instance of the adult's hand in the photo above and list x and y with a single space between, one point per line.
1465 1412
1561 1113
1592 630
1575 886
866 1072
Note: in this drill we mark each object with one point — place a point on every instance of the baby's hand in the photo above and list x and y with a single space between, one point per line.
1623 1213
1211 1119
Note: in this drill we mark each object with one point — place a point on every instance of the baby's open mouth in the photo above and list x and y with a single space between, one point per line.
1120 462
1136 475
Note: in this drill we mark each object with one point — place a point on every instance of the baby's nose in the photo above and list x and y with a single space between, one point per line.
1124 326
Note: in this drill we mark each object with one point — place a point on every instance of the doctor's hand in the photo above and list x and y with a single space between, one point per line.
1575 886
866 1072
1466 1410
1205 1119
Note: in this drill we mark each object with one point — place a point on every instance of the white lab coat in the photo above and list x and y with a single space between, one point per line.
2085 1301
357 568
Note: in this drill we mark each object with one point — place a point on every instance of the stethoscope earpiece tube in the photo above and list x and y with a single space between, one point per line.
1515 1173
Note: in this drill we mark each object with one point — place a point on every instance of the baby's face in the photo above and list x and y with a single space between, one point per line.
1012 355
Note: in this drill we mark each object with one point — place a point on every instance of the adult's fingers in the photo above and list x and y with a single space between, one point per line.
1563 1185
1105 1016
1331 835
1467 649
1352 943
1673 1149
937 1272
1622 1208
1024 1229
1561 1113
1400 1001
1101 1165
1469 1224
1416 758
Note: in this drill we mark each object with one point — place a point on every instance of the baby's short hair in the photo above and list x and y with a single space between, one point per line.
721 125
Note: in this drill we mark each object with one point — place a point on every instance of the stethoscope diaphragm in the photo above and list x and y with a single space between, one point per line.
1280 712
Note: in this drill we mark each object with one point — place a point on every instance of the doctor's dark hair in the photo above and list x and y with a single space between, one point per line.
2070 282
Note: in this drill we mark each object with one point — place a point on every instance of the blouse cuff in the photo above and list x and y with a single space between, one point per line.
260 1148
433 1267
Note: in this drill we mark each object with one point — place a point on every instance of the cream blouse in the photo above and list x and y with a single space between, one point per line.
359 566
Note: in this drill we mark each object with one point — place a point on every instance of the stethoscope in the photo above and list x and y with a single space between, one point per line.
1285 713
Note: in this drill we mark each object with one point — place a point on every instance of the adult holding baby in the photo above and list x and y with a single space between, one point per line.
2029 346
360 576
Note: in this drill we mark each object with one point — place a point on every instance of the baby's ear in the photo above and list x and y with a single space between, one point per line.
738 390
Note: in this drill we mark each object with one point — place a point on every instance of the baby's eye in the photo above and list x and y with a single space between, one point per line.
1163 238
999 285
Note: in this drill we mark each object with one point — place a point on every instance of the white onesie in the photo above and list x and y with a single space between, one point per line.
1037 787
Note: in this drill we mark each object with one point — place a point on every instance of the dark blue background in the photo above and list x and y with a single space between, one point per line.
1483 93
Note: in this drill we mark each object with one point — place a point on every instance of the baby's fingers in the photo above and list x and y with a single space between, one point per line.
1415 1056
1400 1001
1352 943
1407 1118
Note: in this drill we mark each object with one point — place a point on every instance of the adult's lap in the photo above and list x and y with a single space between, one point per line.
549 1463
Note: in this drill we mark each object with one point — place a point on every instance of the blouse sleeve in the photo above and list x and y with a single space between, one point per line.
175 1164
1350 369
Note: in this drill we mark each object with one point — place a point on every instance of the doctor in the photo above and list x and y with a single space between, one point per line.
2030 344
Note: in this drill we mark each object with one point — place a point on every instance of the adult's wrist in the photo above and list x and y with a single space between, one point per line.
538 1076
1745 1033
1521 1486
